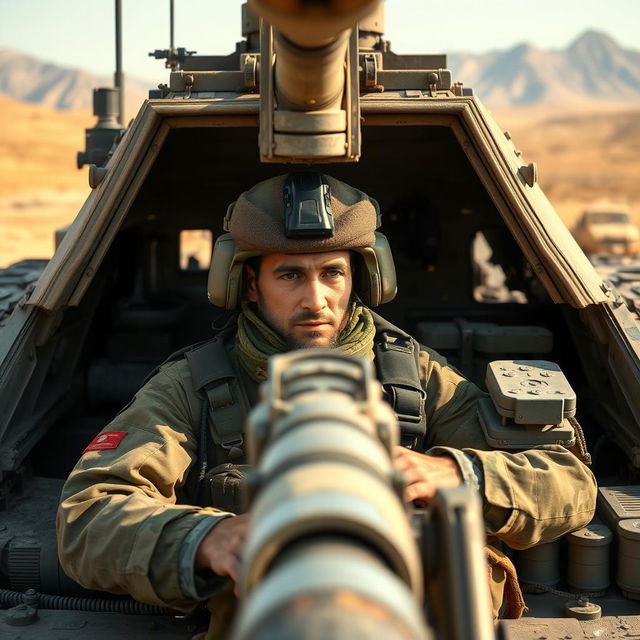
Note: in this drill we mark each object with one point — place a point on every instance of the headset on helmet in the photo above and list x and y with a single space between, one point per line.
309 219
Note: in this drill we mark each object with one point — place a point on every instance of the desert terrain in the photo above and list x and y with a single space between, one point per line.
582 155
40 187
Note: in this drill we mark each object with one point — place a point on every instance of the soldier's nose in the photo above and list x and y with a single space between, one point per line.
314 298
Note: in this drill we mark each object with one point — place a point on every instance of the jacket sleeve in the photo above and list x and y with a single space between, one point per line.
119 527
529 497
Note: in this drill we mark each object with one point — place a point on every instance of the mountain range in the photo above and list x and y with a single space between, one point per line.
25 78
594 68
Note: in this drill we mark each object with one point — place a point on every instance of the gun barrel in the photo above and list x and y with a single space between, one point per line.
329 540
310 43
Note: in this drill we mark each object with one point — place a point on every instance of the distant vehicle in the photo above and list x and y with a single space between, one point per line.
607 229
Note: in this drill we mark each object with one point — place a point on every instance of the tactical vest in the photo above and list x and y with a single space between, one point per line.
215 480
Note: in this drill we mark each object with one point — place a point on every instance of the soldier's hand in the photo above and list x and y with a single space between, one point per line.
221 549
424 474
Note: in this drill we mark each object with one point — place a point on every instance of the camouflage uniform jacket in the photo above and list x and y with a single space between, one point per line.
123 524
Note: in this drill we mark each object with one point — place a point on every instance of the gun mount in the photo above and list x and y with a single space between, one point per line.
309 94
330 543
320 58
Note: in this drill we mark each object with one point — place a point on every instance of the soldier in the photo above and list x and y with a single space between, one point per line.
146 512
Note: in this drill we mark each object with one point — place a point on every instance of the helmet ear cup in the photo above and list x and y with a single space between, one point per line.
225 275
376 284
377 276
386 269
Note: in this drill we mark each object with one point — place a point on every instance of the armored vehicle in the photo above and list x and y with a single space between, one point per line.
486 272
606 228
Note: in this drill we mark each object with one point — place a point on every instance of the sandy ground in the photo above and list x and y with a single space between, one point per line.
582 156
28 222
40 187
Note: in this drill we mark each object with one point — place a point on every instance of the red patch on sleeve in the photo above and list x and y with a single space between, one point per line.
106 440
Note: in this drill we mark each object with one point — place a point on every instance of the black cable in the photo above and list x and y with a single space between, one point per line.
101 605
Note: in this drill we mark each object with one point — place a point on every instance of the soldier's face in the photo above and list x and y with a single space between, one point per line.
304 297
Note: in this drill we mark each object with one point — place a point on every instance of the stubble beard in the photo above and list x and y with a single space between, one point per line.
307 343
291 340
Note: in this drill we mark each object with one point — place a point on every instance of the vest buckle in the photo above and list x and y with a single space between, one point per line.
395 342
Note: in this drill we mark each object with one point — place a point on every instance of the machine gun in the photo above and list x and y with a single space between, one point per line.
331 545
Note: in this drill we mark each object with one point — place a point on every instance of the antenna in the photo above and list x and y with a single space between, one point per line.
171 15
119 75
174 57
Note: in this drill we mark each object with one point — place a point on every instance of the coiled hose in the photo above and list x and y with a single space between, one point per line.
101 605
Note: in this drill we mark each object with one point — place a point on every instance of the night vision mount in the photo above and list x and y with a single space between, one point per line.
307 206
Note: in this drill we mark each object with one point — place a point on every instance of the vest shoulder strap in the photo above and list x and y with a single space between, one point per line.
214 375
397 364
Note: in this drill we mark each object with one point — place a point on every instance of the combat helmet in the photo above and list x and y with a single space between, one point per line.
302 213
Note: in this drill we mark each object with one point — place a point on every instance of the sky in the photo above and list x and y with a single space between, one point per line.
80 33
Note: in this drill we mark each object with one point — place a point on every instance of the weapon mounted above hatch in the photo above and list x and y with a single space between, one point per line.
309 90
